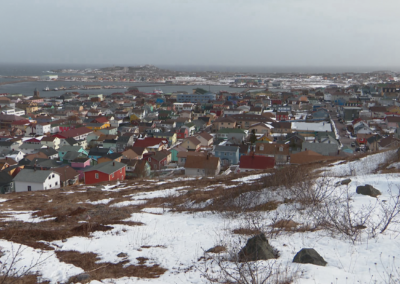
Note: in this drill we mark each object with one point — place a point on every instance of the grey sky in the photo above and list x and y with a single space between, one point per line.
206 32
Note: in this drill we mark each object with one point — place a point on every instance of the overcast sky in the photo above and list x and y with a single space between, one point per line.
201 32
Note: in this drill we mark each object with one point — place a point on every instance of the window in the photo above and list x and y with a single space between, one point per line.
49 177
112 176
120 171
96 176
52 176
56 182
30 188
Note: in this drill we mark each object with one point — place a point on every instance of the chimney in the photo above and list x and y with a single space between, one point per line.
113 164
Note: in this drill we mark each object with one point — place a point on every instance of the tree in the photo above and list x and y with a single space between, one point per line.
253 137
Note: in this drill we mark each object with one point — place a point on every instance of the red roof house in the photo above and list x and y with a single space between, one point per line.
255 162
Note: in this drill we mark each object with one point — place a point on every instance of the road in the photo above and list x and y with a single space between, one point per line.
339 127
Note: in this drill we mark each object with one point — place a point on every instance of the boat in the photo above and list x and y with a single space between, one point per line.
46 89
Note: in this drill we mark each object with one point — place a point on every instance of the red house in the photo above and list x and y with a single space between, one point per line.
255 162
182 133
282 116
107 171
158 160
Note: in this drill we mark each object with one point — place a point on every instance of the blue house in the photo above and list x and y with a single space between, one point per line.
62 151
97 153
229 155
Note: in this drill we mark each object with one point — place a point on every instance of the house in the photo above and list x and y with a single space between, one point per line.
9 145
28 148
244 121
282 116
279 151
373 142
51 153
261 128
206 139
137 168
134 153
79 164
236 135
389 142
96 153
110 157
323 144
182 156
76 133
191 144
182 133
174 152
255 162
229 155
158 160
202 166
64 149
170 136
223 122
43 128
123 142
33 180
51 141
392 121
108 171
6 183
151 144
68 175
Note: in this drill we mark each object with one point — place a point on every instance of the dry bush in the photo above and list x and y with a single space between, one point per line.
246 231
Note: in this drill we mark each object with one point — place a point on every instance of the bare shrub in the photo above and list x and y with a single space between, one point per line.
13 273
225 267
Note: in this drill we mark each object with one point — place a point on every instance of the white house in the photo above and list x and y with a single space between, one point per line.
33 180
42 128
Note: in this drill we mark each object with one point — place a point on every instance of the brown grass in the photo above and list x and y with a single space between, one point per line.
217 249
246 231
99 271
27 279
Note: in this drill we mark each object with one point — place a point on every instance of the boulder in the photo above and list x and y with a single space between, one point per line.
80 278
345 181
94 189
257 248
368 190
122 254
309 255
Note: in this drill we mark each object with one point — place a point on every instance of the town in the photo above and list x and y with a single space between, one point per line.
275 120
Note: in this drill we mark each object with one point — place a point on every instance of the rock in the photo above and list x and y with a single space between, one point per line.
309 255
368 190
122 254
345 181
257 248
64 240
94 189
83 278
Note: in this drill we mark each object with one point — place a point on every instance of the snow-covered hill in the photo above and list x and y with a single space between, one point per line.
167 227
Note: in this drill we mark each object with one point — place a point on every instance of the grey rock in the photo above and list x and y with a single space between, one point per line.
345 181
83 278
368 190
257 248
309 255
94 189
122 254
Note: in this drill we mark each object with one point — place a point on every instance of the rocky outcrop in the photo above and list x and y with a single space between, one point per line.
309 255
368 190
257 248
